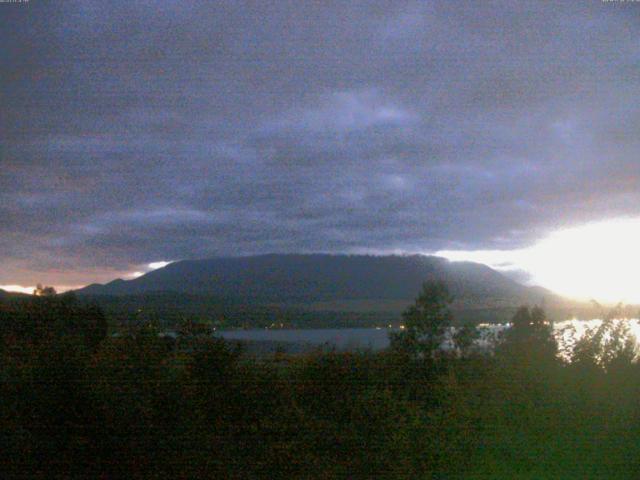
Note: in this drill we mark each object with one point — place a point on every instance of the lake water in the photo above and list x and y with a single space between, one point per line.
349 339
340 338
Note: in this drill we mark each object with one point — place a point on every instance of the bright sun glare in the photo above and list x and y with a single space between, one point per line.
17 288
156 265
598 261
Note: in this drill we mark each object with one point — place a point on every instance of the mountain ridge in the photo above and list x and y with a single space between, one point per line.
305 278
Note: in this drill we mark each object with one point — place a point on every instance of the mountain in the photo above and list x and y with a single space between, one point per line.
304 279
5 295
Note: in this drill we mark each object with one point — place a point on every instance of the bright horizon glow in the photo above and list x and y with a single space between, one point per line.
17 288
156 265
63 288
599 261
149 267
29 290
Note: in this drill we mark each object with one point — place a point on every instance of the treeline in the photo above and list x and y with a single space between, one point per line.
80 403
169 310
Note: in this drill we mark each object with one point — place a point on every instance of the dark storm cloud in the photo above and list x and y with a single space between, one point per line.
142 131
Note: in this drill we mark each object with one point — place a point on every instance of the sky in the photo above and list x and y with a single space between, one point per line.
138 132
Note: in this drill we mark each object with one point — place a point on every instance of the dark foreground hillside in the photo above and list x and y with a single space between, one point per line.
77 403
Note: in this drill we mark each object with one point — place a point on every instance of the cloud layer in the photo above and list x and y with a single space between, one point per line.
138 132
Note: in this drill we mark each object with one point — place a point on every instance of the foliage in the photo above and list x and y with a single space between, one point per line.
606 346
425 322
42 319
137 406
464 338
530 339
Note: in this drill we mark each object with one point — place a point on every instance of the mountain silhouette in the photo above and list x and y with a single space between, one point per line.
297 278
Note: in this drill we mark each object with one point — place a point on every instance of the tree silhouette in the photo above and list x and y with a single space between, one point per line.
608 346
425 322
530 338
41 291
464 337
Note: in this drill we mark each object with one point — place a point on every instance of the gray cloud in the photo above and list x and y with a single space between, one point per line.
143 131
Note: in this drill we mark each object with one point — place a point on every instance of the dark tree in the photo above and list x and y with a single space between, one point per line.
609 346
530 337
425 322
41 291
464 337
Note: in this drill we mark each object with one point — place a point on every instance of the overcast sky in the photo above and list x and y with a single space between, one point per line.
142 131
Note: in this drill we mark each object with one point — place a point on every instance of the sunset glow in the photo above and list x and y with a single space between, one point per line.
596 261
156 265
17 288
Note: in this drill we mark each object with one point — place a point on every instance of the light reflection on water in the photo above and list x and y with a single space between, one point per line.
347 339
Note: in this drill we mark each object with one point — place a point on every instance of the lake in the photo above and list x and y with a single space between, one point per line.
340 338
350 339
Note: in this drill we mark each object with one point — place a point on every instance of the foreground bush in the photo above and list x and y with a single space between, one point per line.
137 406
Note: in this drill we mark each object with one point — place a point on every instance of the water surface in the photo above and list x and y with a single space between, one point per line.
350 339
